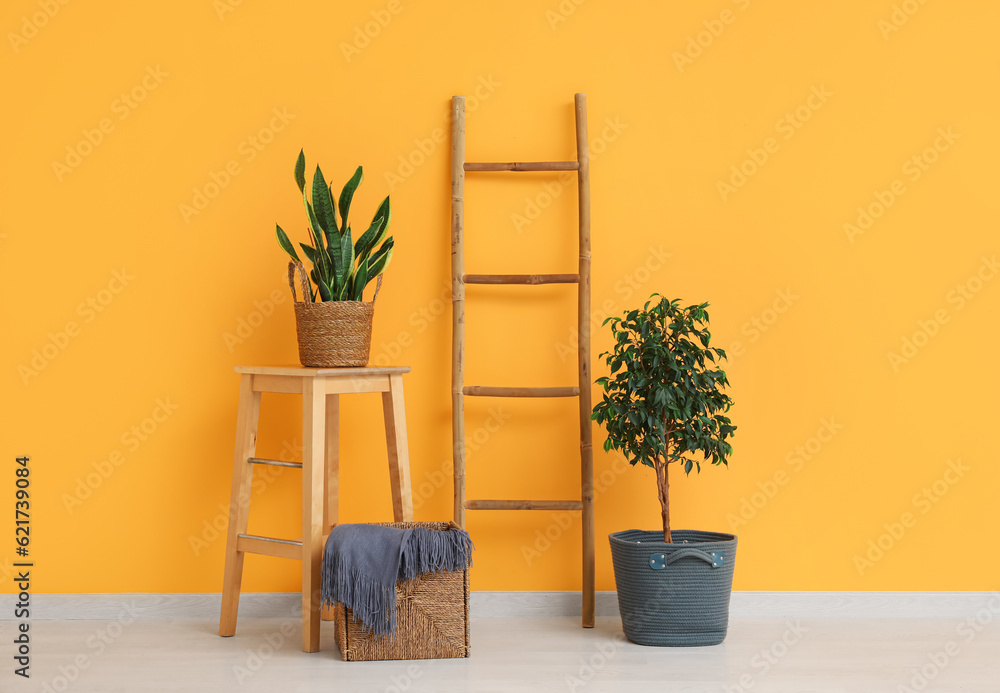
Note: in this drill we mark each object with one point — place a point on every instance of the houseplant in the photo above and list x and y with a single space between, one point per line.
664 404
333 322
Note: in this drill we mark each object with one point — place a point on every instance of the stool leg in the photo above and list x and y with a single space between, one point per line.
313 453
394 412
332 477
247 417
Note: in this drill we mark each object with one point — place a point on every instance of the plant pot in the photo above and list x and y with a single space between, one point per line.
674 594
332 334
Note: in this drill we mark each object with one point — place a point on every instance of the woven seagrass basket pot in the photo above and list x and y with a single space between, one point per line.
331 334
432 616
674 594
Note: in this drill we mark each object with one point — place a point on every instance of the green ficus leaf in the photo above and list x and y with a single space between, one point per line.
665 395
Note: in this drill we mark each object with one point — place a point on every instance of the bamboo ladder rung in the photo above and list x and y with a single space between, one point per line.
273 463
485 391
521 278
522 166
524 505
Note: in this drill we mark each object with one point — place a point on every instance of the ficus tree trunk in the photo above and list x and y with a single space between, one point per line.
663 488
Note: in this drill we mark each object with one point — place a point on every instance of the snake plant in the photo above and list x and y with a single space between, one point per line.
341 267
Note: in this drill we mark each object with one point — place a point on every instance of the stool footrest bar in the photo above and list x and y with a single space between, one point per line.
269 546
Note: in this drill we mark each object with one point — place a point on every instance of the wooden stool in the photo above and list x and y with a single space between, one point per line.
320 389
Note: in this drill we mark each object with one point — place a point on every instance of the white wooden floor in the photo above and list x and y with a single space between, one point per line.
855 655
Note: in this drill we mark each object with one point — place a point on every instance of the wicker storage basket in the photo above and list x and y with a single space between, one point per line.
432 617
674 594
331 334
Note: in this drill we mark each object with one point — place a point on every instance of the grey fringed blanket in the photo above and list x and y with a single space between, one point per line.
361 564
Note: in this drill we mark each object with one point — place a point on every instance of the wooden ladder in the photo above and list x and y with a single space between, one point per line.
459 167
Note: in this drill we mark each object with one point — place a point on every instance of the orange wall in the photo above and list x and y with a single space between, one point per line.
140 306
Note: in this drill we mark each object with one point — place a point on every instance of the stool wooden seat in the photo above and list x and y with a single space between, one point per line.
320 389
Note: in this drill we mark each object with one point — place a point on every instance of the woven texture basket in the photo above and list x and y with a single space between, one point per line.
432 617
674 594
331 334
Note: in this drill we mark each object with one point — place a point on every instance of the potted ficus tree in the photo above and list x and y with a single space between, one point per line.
333 321
664 405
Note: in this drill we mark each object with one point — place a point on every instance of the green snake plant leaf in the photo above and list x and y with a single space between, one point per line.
346 195
324 292
366 243
360 279
341 267
331 277
346 267
315 228
314 275
326 263
376 232
327 278
380 259
379 254
300 171
323 205
286 244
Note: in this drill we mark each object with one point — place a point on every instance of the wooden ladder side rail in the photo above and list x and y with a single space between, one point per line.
458 302
583 359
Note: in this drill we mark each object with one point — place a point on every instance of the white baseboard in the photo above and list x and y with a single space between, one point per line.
495 604
751 605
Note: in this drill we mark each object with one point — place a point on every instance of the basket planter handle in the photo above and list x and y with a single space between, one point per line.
294 265
659 561
297 267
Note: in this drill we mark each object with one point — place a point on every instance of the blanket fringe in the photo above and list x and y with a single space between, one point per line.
431 551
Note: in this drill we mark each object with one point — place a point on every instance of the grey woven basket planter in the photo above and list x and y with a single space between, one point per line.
674 594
